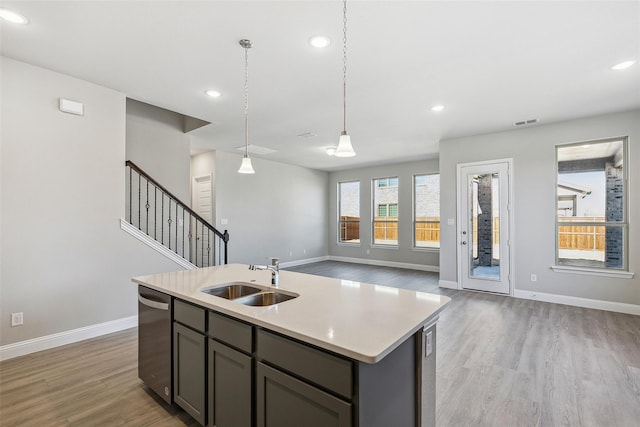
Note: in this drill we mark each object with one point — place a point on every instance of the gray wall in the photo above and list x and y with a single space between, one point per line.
65 262
281 210
157 143
404 253
534 180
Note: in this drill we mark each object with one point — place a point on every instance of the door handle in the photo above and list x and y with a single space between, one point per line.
464 242
153 304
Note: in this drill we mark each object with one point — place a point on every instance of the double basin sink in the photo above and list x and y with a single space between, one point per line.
249 294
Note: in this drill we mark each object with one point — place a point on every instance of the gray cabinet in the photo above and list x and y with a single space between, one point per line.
284 401
230 391
189 360
299 385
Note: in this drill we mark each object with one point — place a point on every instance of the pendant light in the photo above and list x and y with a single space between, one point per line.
245 166
344 148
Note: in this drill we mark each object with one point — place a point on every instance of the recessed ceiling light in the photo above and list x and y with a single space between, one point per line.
623 65
14 17
213 93
319 41
437 108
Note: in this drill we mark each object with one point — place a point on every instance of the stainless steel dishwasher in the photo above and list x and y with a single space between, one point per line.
154 341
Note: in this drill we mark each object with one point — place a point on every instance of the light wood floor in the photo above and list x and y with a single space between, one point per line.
501 362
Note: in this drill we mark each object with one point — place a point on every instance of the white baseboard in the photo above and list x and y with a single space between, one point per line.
448 284
619 307
422 267
303 261
155 245
67 337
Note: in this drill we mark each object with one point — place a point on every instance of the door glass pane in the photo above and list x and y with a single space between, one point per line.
484 256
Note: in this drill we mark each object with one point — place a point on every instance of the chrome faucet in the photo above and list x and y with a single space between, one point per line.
274 268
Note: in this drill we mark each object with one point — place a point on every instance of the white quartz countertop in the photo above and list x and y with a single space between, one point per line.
357 320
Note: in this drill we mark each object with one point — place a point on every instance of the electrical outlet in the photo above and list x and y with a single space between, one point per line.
290 253
429 344
534 277
17 319
367 251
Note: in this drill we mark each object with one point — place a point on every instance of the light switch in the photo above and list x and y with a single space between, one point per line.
224 221
451 221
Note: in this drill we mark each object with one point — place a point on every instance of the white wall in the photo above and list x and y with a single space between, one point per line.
156 142
534 180
404 253
280 211
65 262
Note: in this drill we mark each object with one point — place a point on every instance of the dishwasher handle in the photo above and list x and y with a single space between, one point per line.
153 304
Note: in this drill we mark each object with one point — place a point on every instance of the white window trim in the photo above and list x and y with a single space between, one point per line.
603 272
621 274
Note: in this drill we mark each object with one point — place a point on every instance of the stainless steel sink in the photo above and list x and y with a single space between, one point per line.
265 298
249 294
233 290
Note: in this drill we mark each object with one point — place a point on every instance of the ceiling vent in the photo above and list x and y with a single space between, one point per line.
525 122
307 135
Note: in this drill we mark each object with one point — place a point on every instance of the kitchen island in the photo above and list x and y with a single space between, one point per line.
339 353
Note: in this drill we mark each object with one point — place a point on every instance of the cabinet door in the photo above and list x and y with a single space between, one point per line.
189 358
230 377
284 401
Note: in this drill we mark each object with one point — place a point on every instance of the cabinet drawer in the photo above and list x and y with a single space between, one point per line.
189 315
317 366
230 331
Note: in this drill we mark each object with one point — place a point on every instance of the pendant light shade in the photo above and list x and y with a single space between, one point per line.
344 146
246 166
344 149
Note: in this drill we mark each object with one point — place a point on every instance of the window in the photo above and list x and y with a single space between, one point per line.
426 211
385 208
387 182
349 212
388 209
591 195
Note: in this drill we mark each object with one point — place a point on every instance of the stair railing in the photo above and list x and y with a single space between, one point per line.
155 211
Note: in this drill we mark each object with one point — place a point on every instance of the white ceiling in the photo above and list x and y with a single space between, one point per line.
490 63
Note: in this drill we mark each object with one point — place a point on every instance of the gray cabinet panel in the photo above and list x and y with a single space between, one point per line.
230 379
233 332
189 357
283 401
317 366
190 315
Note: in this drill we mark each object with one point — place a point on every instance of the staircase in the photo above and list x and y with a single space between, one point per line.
153 214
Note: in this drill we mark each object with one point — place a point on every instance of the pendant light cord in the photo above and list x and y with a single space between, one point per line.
246 102
344 67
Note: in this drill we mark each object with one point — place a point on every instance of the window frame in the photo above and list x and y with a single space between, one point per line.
622 271
375 184
415 221
339 221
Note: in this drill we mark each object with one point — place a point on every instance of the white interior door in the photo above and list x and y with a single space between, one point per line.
202 201
484 224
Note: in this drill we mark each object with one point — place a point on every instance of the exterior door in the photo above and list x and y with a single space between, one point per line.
484 223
